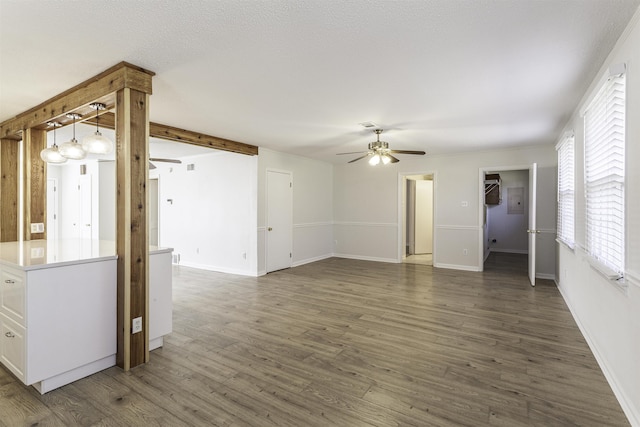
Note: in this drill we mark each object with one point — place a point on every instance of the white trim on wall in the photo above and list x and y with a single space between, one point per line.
366 258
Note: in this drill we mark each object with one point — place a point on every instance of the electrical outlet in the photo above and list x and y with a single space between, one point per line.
465 252
37 227
136 325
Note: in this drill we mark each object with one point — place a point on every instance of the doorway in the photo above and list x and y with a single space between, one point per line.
507 217
279 234
416 213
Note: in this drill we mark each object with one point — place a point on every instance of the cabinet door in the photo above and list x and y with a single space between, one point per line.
12 294
12 346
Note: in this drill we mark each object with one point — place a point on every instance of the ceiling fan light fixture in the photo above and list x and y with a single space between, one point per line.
386 159
97 143
373 161
52 154
72 149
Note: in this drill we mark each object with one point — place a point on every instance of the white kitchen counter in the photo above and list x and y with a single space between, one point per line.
58 308
36 254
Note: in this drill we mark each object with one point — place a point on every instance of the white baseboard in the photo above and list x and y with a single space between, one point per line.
546 276
509 251
632 412
310 260
486 255
216 268
366 258
458 267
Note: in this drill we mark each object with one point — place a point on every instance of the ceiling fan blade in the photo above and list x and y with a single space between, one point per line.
353 152
152 166
165 160
393 159
407 152
362 157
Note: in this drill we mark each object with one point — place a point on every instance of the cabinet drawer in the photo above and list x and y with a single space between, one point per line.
12 346
12 295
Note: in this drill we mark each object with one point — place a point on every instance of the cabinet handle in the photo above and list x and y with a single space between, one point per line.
9 335
9 281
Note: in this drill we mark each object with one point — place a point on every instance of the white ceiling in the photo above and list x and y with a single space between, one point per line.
299 75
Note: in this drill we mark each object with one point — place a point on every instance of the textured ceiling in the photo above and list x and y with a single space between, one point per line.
298 76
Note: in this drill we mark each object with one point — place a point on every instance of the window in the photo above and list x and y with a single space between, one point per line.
604 156
566 191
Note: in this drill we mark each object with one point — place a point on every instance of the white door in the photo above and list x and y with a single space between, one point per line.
533 178
279 234
424 217
84 189
52 209
153 211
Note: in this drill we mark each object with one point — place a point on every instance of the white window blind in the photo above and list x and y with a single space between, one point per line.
566 191
604 126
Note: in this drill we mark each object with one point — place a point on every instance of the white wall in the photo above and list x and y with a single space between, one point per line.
509 230
208 214
609 315
366 205
312 206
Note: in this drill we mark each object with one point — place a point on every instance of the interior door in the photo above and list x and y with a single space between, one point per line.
153 212
279 234
533 231
52 209
84 188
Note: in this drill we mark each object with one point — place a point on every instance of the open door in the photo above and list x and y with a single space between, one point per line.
533 178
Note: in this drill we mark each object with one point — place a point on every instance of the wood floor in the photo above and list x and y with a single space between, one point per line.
347 343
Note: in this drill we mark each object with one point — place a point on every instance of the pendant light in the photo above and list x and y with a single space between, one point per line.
52 154
72 149
96 143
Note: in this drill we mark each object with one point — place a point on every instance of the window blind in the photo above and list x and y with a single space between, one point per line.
566 191
604 125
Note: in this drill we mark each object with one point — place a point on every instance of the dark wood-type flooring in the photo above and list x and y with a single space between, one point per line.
347 343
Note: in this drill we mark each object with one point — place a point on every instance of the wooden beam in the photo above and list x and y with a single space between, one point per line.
157 130
9 184
132 241
35 183
101 87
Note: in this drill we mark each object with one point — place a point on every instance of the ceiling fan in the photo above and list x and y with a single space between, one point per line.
155 159
380 152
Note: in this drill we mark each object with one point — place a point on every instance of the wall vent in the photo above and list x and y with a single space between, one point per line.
191 167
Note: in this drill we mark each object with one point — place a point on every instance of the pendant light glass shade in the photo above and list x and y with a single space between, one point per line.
52 154
72 149
386 159
96 143
374 160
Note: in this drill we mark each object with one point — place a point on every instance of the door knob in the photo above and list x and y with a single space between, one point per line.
269 228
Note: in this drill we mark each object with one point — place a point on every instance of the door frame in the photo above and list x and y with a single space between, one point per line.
481 173
402 212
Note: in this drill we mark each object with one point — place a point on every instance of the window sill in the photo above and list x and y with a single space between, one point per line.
569 246
612 276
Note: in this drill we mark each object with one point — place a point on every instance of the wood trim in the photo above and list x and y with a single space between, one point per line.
100 87
35 182
9 184
170 133
132 147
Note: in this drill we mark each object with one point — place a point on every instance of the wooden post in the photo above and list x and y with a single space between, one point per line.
132 243
9 180
35 182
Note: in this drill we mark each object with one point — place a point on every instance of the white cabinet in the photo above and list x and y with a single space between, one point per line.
12 346
12 293
58 309
56 320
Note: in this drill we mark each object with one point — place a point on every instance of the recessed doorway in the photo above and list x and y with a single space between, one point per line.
417 208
